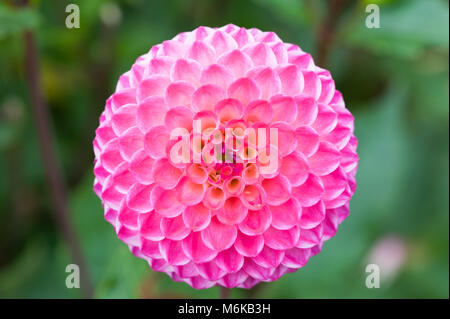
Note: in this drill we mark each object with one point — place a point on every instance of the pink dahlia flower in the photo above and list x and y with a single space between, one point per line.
182 174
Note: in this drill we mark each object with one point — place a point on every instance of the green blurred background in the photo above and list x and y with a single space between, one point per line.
394 79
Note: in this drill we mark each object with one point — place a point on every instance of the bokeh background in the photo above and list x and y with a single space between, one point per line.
394 79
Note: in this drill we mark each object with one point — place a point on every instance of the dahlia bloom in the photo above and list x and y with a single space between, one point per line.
184 179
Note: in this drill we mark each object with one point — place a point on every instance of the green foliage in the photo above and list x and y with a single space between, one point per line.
394 79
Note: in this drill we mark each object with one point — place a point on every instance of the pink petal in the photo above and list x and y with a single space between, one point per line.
280 52
287 215
219 236
202 53
141 167
186 70
277 190
221 42
244 90
269 258
153 85
210 271
194 247
325 160
237 62
291 79
249 246
261 54
307 140
327 91
334 183
207 96
312 215
312 87
230 260
155 141
233 211
307 110
216 74
150 248
253 197
233 280
151 113
172 252
256 271
295 168
123 119
130 142
166 202
110 157
197 173
214 198
197 217
179 117
123 97
284 108
267 81
190 193
174 228
150 226
256 222
302 60
123 178
287 141
310 237
339 136
281 239
179 93
310 192
296 257
165 174
242 37
326 120
161 65
258 111
228 109
138 197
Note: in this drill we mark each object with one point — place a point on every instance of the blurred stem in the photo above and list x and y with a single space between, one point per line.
53 173
327 30
224 293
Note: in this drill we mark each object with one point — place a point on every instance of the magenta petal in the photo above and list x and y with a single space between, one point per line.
307 110
141 167
296 257
233 211
245 90
256 271
186 70
334 183
194 247
307 140
277 190
122 120
150 226
256 222
154 85
281 239
179 93
233 280
295 168
219 236
165 174
312 216
172 252
210 271
230 260
291 80
269 258
197 217
325 160
179 117
287 215
249 246
138 197
150 248
151 113
166 202
310 237
284 108
258 111
237 62
174 228
155 141
310 192
206 97
216 74
130 142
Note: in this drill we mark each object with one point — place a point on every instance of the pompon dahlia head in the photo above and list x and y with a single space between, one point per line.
225 157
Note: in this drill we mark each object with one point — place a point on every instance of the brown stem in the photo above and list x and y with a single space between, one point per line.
327 31
224 293
53 173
